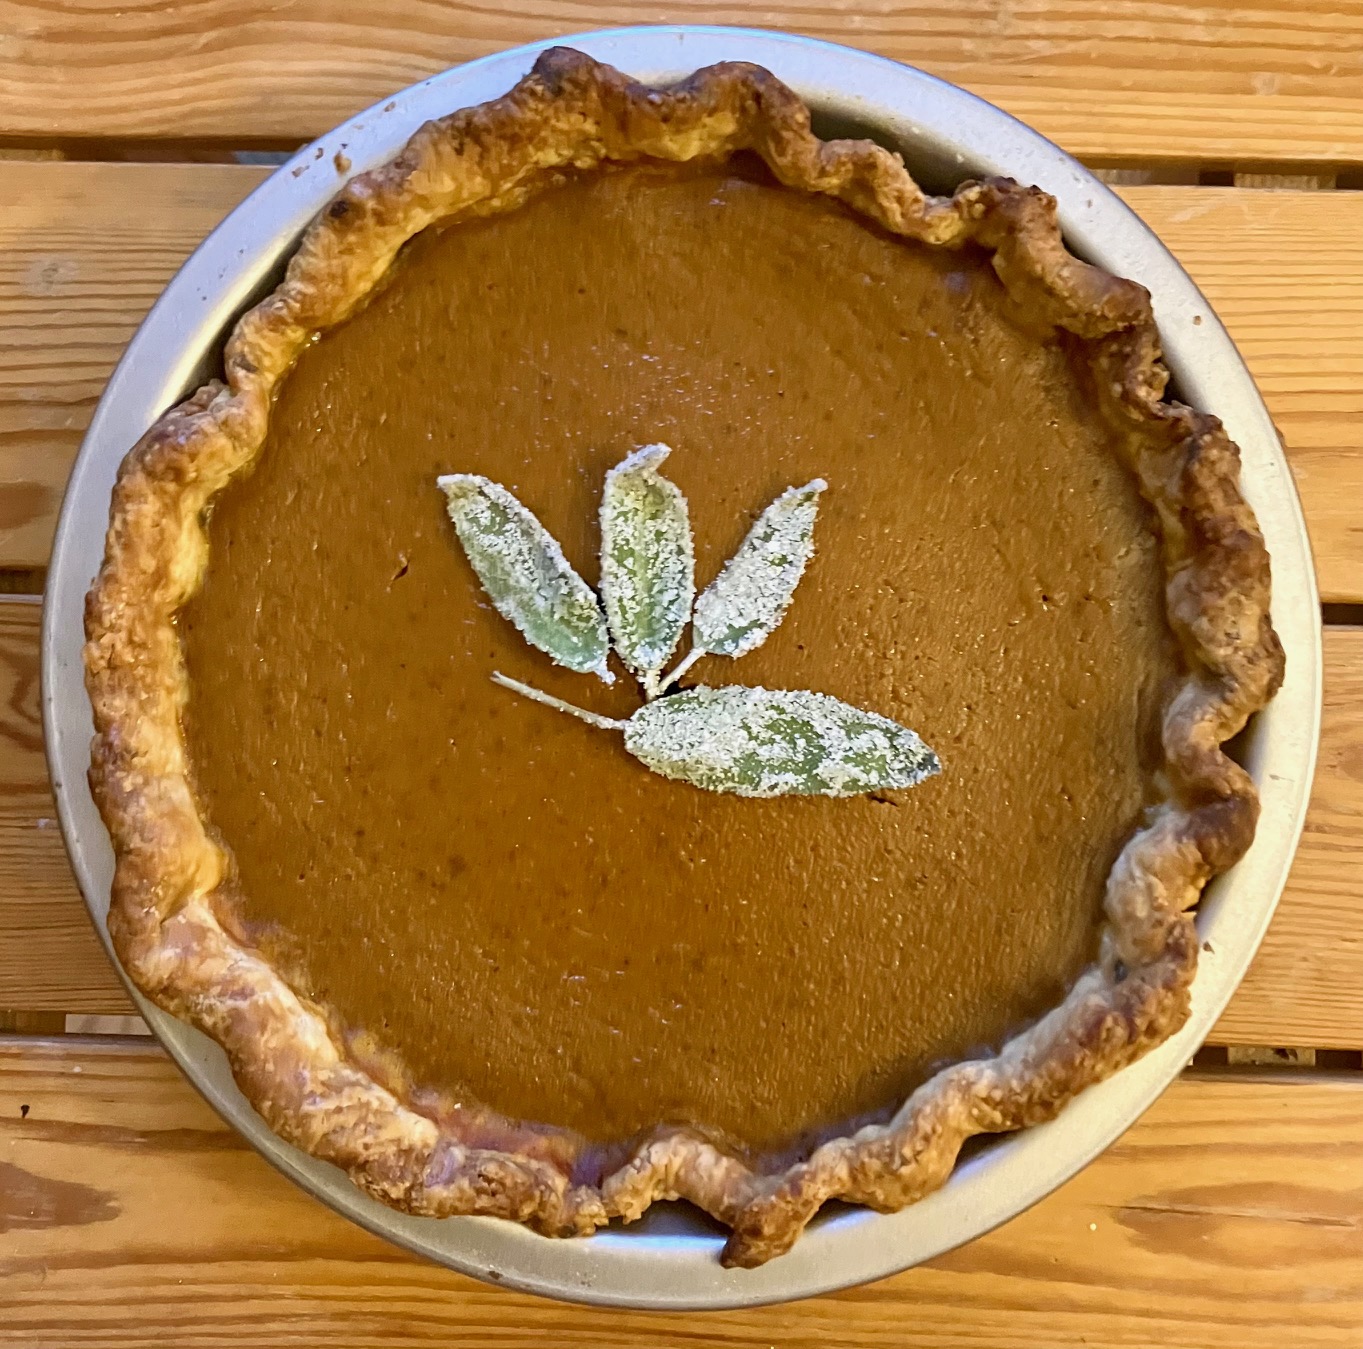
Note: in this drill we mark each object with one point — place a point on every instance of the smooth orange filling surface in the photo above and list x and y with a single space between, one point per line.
510 907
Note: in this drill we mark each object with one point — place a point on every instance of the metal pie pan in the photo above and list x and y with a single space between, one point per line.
669 1259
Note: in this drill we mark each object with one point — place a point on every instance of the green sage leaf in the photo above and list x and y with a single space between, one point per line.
746 602
764 742
647 563
525 574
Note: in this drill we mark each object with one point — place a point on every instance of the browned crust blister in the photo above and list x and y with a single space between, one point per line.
571 112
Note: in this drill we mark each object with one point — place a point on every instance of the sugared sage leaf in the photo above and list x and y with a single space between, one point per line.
764 742
745 603
647 563
748 741
525 574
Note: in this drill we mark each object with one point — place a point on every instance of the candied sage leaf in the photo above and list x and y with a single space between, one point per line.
746 602
764 742
525 574
647 563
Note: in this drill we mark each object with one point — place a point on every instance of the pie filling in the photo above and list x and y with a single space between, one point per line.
500 898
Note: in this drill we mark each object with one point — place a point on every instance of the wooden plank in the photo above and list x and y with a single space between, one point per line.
84 251
1230 81
1305 987
50 958
86 248
1230 1217
1284 272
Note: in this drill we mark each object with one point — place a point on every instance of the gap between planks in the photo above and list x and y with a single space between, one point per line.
1146 172
1229 1217
1305 987
86 248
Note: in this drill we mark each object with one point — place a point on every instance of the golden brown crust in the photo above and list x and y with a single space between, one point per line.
303 1079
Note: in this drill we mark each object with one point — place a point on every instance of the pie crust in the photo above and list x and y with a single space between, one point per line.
572 112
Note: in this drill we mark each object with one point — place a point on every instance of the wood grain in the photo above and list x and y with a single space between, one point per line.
1159 79
1304 988
1284 272
86 248
1230 1217
50 958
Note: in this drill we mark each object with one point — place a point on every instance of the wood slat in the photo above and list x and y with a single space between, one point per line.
1222 80
86 248
1230 1217
1305 987
1284 272
84 251
50 958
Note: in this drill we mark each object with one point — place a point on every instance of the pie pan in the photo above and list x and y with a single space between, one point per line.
669 1259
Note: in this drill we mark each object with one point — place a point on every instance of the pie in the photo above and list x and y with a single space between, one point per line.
473 952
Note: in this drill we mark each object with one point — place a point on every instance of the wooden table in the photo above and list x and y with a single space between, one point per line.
1232 1215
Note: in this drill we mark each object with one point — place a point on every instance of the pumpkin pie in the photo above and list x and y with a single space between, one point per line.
477 954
